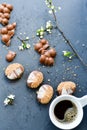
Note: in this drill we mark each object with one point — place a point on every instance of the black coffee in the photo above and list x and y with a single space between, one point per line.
65 110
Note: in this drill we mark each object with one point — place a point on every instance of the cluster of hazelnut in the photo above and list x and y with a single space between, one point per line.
8 31
5 10
47 54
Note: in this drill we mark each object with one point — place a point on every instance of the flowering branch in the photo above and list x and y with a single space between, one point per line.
24 44
50 5
40 32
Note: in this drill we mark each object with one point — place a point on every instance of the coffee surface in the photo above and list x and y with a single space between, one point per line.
65 111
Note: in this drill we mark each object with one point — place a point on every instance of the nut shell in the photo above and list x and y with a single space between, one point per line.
35 78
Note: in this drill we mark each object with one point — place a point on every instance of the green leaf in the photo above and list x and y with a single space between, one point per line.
24 45
68 54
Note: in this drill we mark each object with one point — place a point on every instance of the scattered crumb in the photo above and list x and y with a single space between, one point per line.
3 68
48 80
24 32
83 45
27 38
20 33
79 90
74 75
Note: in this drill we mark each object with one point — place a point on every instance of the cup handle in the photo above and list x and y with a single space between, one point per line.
83 100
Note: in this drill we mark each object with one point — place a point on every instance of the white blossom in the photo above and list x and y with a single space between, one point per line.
20 48
27 46
11 96
59 8
27 38
6 101
50 11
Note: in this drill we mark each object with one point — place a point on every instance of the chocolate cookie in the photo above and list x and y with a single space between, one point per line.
67 87
35 78
14 71
45 93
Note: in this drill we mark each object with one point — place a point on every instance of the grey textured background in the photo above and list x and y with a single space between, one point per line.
27 113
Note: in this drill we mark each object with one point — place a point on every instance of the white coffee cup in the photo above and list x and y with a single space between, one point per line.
79 103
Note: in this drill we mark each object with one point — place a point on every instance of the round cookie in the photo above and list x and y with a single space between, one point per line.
67 87
35 78
45 93
14 71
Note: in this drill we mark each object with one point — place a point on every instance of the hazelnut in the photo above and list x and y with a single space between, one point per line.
1 14
4 4
38 46
7 15
14 24
45 46
6 10
11 33
50 61
47 54
5 38
10 56
4 31
46 62
42 59
10 27
0 20
4 21
1 8
10 7
43 41
52 52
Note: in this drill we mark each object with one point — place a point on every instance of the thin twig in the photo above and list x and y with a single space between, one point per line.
20 39
66 39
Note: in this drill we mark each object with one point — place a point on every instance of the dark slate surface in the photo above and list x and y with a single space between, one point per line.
27 113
